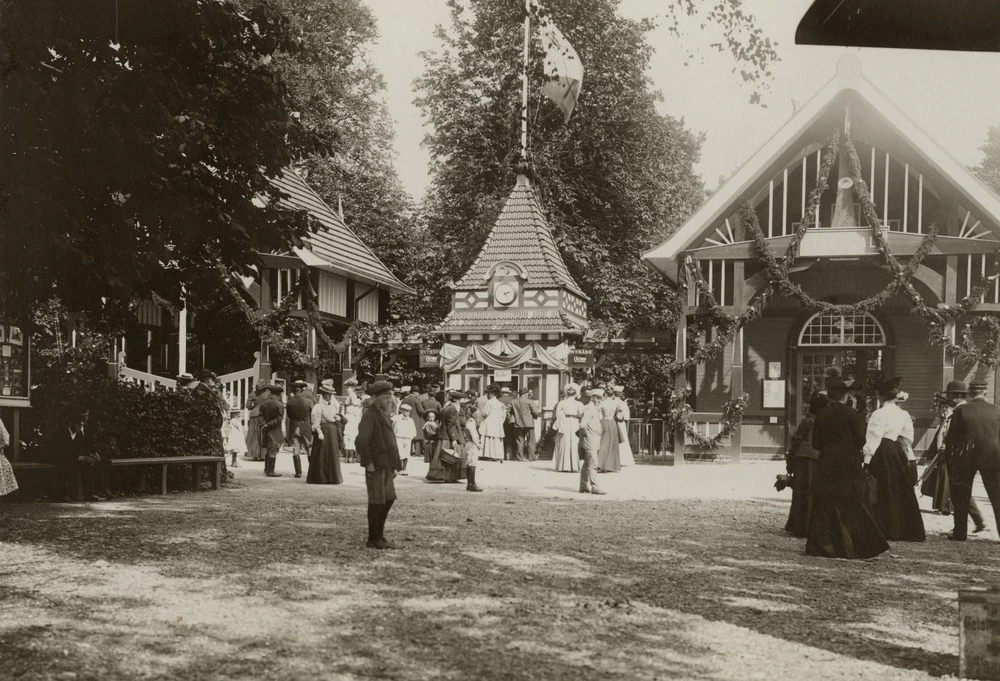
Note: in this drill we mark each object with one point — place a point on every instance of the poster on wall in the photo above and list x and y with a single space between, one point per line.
15 369
774 394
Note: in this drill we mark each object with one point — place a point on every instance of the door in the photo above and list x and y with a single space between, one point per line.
862 364
534 383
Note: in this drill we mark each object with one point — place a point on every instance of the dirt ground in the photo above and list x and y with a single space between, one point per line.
679 573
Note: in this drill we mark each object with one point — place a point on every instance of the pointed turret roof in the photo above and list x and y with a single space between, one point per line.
521 235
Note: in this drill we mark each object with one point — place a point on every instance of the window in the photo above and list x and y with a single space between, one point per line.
858 329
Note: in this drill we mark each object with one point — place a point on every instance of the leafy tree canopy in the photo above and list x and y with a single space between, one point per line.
615 180
135 139
989 169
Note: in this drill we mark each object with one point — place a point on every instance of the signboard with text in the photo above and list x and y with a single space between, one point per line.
581 359
428 359
15 366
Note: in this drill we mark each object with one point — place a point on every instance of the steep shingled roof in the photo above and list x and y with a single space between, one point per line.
521 235
509 321
336 248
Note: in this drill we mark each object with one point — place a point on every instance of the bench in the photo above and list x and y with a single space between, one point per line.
163 462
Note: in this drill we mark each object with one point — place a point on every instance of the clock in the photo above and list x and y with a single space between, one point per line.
504 294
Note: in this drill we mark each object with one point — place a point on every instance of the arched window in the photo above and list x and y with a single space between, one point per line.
851 330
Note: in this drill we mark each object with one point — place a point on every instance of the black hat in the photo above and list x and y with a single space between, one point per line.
817 402
956 388
428 412
205 373
379 388
836 386
523 390
493 388
275 388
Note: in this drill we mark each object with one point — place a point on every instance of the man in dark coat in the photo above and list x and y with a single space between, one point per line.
299 411
73 447
525 412
376 445
972 445
272 413
417 414
509 437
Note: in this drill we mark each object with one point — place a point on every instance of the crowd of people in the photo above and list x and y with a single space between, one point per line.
853 484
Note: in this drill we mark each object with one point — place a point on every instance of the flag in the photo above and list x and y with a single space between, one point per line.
562 66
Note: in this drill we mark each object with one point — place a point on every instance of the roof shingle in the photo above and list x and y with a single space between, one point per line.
509 321
521 235
337 244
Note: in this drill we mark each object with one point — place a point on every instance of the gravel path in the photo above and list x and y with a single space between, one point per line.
679 573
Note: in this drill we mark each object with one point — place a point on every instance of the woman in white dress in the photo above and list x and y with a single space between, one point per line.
566 456
352 412
622 416
888 451
492 427
8 483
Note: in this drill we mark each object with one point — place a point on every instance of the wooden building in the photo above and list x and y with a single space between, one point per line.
347 280
780 358
517 314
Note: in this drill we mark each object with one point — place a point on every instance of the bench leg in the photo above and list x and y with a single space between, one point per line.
163 478
217 476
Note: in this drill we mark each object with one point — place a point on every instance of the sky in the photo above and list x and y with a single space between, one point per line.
952 96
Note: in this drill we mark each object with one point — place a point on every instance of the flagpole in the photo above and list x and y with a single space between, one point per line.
524 81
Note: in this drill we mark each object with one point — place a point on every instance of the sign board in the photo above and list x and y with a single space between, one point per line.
774 394
774 370
428 359
502 376
979 634
15 366
582 358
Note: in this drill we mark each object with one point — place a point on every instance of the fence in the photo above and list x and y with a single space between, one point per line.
650 438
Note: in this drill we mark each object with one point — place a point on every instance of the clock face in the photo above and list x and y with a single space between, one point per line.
504 294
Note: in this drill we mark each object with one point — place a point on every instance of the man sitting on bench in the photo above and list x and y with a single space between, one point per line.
74 448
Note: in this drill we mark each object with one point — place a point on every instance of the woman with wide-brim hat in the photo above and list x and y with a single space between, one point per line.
254 450
328 439
492 428
888 452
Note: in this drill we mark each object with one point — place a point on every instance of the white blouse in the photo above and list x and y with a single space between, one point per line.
324 413
892 423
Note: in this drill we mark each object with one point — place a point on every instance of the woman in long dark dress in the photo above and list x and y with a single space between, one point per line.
328 440
842 524
888 453
801 465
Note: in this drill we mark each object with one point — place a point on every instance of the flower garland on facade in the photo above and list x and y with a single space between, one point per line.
732 416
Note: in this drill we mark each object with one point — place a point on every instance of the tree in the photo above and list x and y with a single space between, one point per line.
336 89
989 169
615 180
137 149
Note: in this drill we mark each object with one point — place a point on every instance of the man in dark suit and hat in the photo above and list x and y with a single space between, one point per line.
525 412
272 413
376 445
299 411
972 445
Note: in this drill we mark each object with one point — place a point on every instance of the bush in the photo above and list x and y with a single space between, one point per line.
126 421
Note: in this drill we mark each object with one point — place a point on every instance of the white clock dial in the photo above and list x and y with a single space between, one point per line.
505 294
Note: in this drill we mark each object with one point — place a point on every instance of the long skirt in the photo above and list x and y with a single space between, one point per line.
940 487
324 462
492 448
439 472
254 451
844 527
803 471
566 455
896 509
624 447
8 483
608 458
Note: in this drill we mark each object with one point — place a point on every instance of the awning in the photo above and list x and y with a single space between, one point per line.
502 354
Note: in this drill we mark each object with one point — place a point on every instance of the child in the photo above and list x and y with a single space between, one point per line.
405 430
431 425
236 443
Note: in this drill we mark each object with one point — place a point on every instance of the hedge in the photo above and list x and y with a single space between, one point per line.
126 421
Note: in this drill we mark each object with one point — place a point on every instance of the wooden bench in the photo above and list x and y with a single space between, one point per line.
164 462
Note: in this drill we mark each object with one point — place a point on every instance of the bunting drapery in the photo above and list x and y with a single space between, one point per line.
502 354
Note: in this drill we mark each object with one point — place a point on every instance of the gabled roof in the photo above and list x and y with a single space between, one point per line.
512 321
848 80
335 248
521 235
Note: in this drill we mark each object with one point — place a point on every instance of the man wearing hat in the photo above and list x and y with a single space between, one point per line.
525 412
591 430
299 437
509 435
972 445
376 445
272 413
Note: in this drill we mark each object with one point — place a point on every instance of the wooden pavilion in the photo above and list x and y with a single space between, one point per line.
779 359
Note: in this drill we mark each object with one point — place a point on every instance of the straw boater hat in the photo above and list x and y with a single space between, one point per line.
300 384
570 389
327 388
978 386
405 407
504 390
596 392
405 389
185 378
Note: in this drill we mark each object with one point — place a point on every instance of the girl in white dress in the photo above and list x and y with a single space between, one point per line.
492 427
622 418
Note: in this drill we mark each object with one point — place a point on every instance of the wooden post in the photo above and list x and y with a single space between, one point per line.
680 380
265 306
736 375
182 339
950 296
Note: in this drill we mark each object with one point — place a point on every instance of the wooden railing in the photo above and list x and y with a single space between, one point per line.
238 386
650 438
147 381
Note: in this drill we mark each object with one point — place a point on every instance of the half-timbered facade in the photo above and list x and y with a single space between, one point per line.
517 313
779 359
